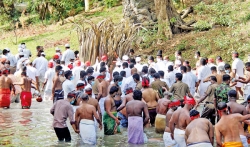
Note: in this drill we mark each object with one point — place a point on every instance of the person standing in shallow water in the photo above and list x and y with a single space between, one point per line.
135 108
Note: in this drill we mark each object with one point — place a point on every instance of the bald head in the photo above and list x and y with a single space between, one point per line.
133 71
84 96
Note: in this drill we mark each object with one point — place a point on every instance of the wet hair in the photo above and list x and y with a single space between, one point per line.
115 73
184 68
178 52
171 68
151 71
222 105
58 68
123 73
113 89
203 61
227 66
89 71
213 68
137 95
213 78
247 64
102 69
232 94
131 65
225 78
156 75
161 73
198 53
125 64
24 73
194 112
144 70
90 78
136 76
67 74
82 74
178 76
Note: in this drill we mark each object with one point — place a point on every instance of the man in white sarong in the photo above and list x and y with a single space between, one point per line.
203 72
76 72
238 70
84 116
67 55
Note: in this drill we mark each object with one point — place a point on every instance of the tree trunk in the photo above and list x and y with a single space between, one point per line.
86 3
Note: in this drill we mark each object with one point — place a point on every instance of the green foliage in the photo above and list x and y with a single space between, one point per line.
181 46
202 25
200 8
246 18
110 3
222 42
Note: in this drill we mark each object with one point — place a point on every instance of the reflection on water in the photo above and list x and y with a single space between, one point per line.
33 127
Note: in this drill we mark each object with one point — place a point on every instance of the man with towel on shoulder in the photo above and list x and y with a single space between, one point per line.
200 132
179 121
162 109
227 127
84 117
135 108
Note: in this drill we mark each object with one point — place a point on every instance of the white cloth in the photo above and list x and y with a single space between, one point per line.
130 83
154 66
161 65
12 60
76 74
244 140
192 82
168 140
238 65
101 104
41 64
67 56
211 65
123 86
201 144
20 63
117 69
49 75
138 66
128 72
67 86
170 78
32 73
246 91
26 53
65 68
203 72
179 136
88 131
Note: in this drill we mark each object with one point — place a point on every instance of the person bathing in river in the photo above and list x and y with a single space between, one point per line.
200 132
135 108
110 120
84 117
62 110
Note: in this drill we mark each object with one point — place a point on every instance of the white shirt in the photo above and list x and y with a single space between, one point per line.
67 56
117 69
239 66
161 65
65 68
220 64
130 83
185 78
154 66
211 65
138 66
203 72
41 64
27 53
32 72
12 59
192 82
67 87
123 86
19 63
49 75
170 78
128 72
76 74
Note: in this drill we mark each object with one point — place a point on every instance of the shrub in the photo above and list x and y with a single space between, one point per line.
202 25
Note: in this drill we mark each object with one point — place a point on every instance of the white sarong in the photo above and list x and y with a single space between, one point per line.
179 136
88 131
246 91
101 103
200 144
244 140
168 140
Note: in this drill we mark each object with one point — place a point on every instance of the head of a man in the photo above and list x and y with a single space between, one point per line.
189 103
88 91
131 52
137 95
136 77
100 77
197 54
213 69
113 91
218 59
174 104
145 82
235 55
248 101
129 90
72 97
80 87
226 79
213 79
125 65
247 66
178 76
84 97
177 54
232 95
150 59
194 114
68 75
156 76
222 109
183 69
167 95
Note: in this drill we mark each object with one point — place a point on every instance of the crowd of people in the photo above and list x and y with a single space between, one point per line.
160 94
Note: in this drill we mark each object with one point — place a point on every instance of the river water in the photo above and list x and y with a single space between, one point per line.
33 127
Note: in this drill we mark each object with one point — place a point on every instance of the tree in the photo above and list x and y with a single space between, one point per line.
86 3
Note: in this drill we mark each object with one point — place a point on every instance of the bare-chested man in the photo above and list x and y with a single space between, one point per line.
214 73
6 86
234 107
245 81
227 127
57 92
122 115
102 91
150 97
248 112
26 86
93 101
200 131
84 117
168 141
162 109
110 120
179 121
135 108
